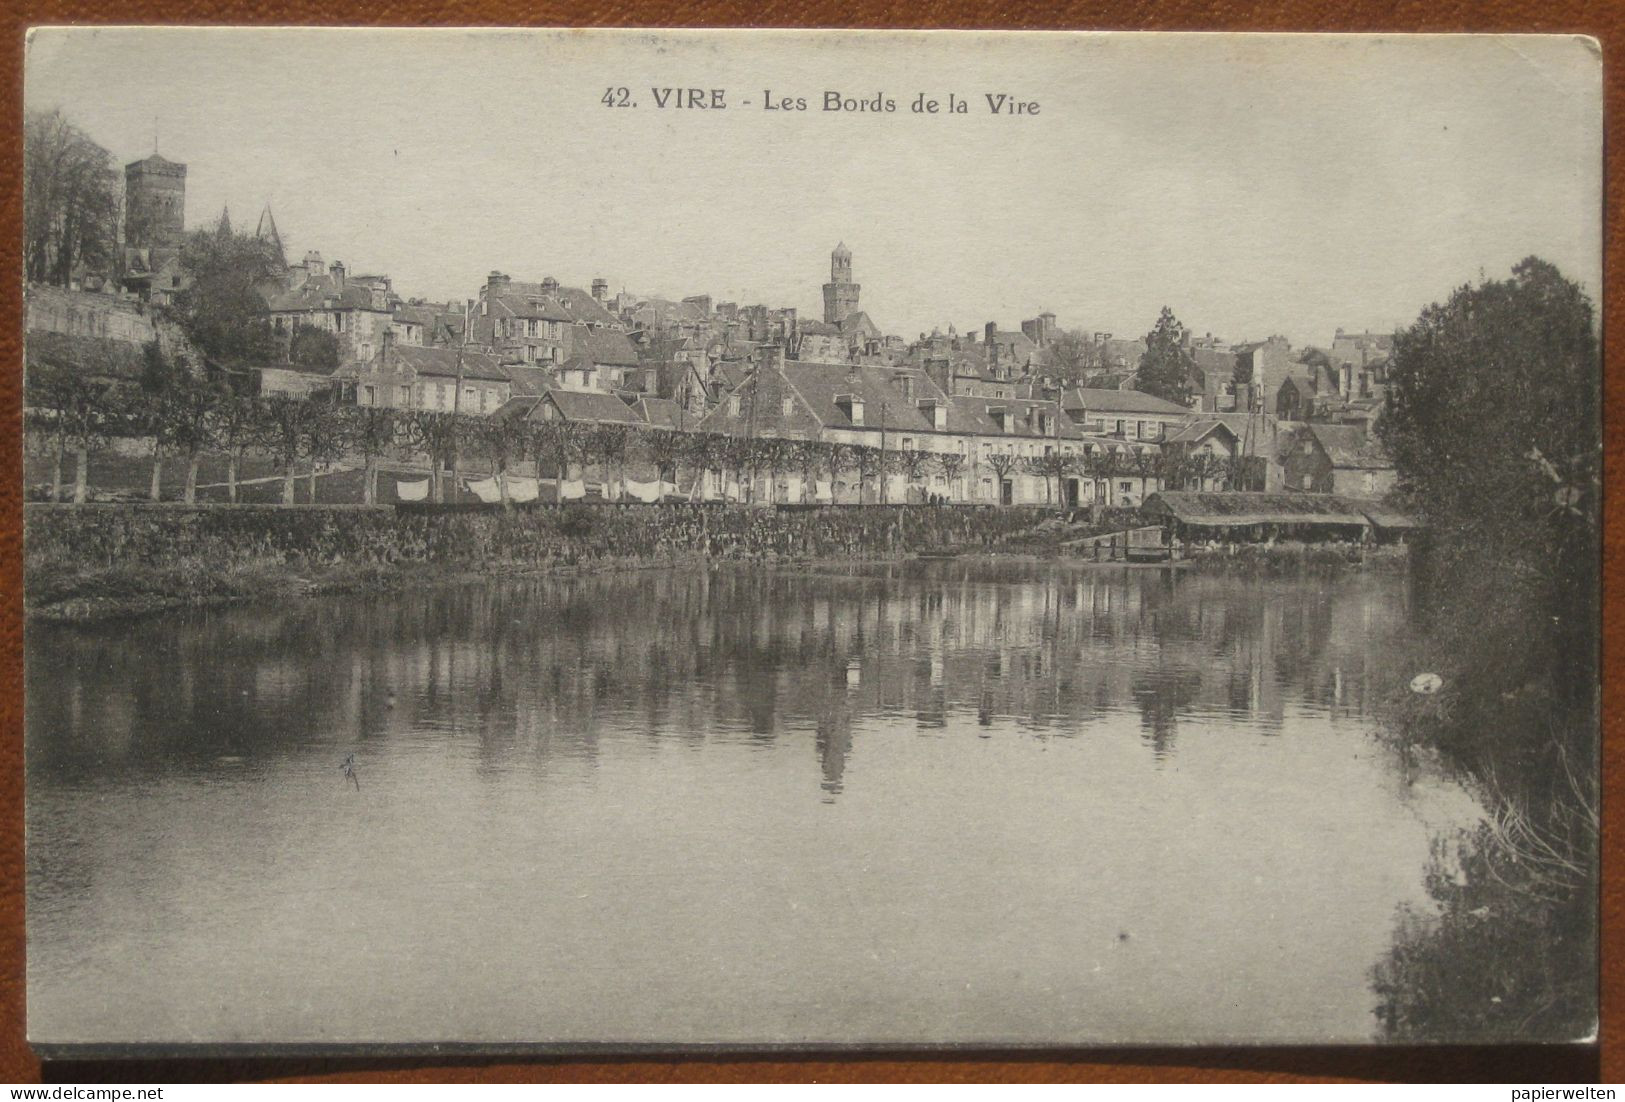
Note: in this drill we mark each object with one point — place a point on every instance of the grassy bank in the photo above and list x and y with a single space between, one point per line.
1506 948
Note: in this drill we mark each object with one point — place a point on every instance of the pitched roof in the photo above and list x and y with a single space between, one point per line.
883 403
1229 508
417 315
541 307
529 380
323 292
592 406
608 347
520 406
1198 431
1095 400
659 413
584 309
972 413
1350 446
442 362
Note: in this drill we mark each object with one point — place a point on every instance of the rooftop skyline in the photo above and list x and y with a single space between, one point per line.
1256 185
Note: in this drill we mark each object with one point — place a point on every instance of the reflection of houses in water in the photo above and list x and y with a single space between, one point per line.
834 744
543 670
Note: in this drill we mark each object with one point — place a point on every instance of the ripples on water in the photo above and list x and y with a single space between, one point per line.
912 802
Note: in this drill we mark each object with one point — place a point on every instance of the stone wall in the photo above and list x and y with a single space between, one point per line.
95 537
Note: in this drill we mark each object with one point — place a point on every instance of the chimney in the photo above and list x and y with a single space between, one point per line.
337 270
600 289
313 263
383 355
550 286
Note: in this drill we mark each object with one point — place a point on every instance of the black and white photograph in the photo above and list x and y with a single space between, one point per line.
638 540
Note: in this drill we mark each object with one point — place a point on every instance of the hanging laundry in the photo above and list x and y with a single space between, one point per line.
487 490
647 492
521 489
412 491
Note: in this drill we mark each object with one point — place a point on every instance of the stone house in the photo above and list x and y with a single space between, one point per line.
1124 414
358 311
408 377
1336 459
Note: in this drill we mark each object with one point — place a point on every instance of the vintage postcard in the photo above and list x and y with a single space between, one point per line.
735 538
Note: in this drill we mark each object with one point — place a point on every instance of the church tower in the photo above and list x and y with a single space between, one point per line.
154 203
840 293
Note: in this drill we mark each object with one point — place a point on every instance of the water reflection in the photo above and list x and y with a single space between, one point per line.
813 802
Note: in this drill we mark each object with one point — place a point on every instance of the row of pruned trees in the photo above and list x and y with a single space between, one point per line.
179 414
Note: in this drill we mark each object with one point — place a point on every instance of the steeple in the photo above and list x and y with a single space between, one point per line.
266 231
224 228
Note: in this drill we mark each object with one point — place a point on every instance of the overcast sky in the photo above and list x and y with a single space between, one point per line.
1257 185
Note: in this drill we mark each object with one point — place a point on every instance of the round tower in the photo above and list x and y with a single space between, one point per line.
840 293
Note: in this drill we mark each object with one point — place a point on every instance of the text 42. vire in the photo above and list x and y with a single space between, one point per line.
716 99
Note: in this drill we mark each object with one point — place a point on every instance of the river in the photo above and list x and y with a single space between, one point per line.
950 802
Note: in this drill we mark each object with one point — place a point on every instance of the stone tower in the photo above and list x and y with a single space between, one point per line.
154 203
840 293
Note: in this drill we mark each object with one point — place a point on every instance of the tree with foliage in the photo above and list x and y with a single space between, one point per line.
70 201
1492 419
1166 366
221 310
314 347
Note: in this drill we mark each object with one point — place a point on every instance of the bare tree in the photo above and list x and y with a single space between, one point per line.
70 201
74 410
372 431
237 425
950 464
1003 464
913 465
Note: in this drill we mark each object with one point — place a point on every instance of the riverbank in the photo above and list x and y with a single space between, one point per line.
94 562
86 563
